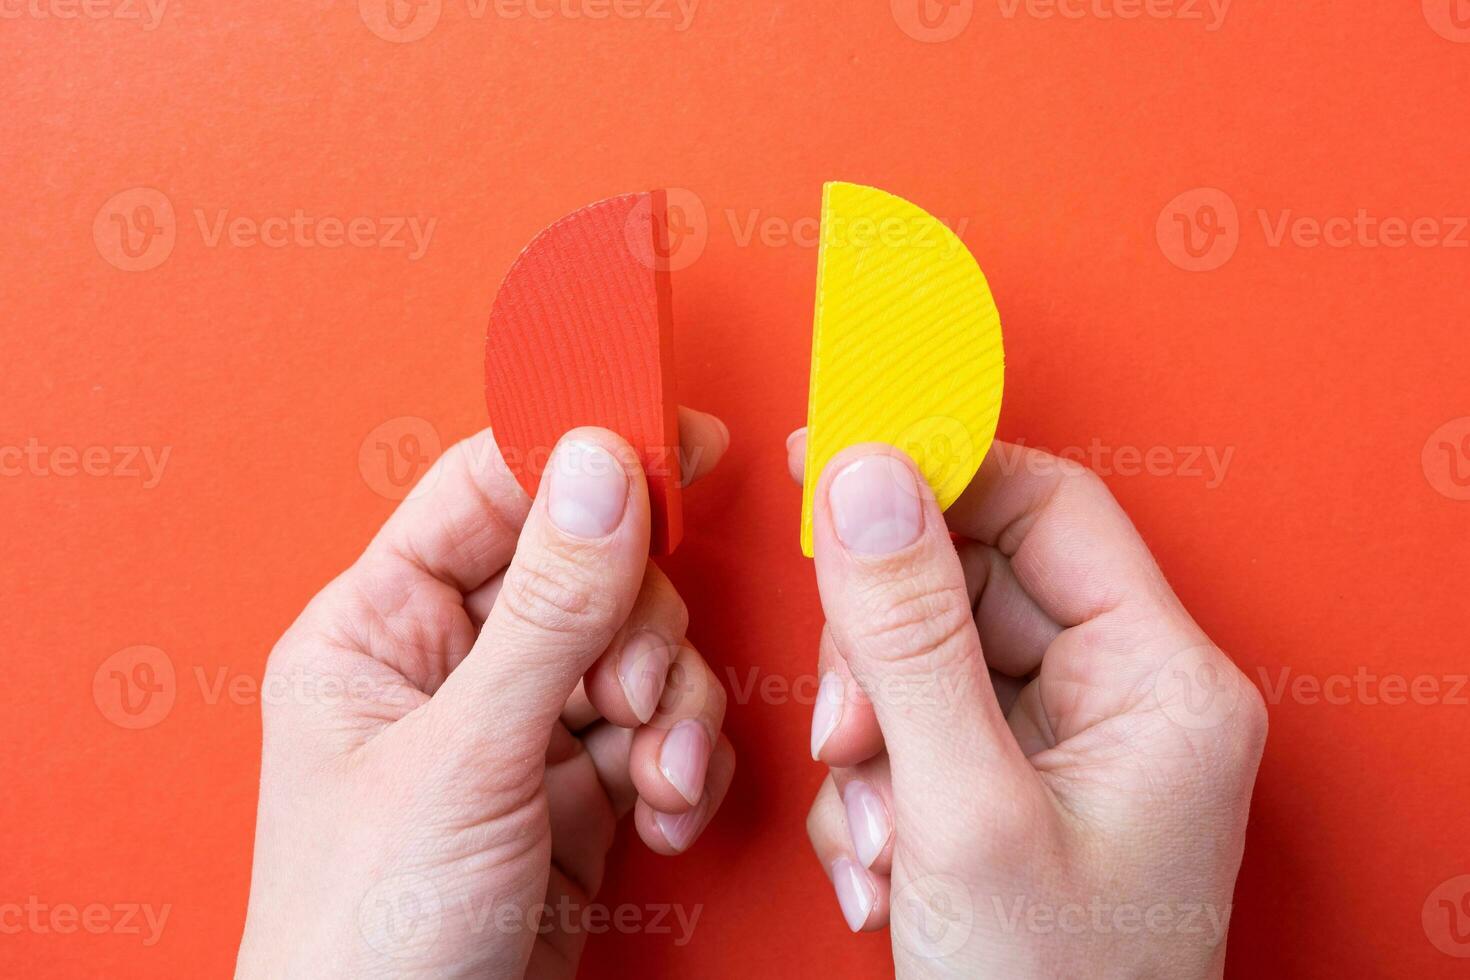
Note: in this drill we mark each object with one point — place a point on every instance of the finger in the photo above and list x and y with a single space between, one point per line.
558 940
861 894
796 455
581 816
1014 632
578 712
1007 692
896 602
671 753
1029 722
577 570
479 602
627 681
674 833
844 728
1070 545
703 439
460 523
609 746
867 806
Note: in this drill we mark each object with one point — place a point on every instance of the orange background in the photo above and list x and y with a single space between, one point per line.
1335 542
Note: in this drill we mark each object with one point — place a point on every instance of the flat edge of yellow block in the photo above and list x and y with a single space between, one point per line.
811 473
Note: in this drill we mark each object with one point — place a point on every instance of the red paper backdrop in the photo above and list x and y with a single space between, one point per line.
1334 545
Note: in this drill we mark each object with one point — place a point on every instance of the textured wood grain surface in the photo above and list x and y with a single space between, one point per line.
580 334
906 348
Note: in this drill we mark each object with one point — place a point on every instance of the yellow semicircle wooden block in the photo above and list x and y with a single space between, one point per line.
906 347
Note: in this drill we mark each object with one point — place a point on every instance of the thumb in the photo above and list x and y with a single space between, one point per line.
577 570
898 609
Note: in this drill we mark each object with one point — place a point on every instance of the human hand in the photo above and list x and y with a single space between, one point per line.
487 690
1040 766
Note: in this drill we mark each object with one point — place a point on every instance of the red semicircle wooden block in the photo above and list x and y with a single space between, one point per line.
581 334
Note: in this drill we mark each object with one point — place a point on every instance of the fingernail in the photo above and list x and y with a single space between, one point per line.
875 506
867 821
679 829
725 429
791 439
854 892
642 668
827 712
683 759
587 489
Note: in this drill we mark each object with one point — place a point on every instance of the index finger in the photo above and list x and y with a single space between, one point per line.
1069 543
461 523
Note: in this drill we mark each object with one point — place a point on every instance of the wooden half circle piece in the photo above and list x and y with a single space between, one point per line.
581 334
906 348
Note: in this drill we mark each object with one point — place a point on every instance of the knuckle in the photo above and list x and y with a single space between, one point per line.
1081 480
1253 718
552 595
915 620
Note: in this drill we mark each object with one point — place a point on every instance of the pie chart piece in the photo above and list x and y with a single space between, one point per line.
581 334
906 348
